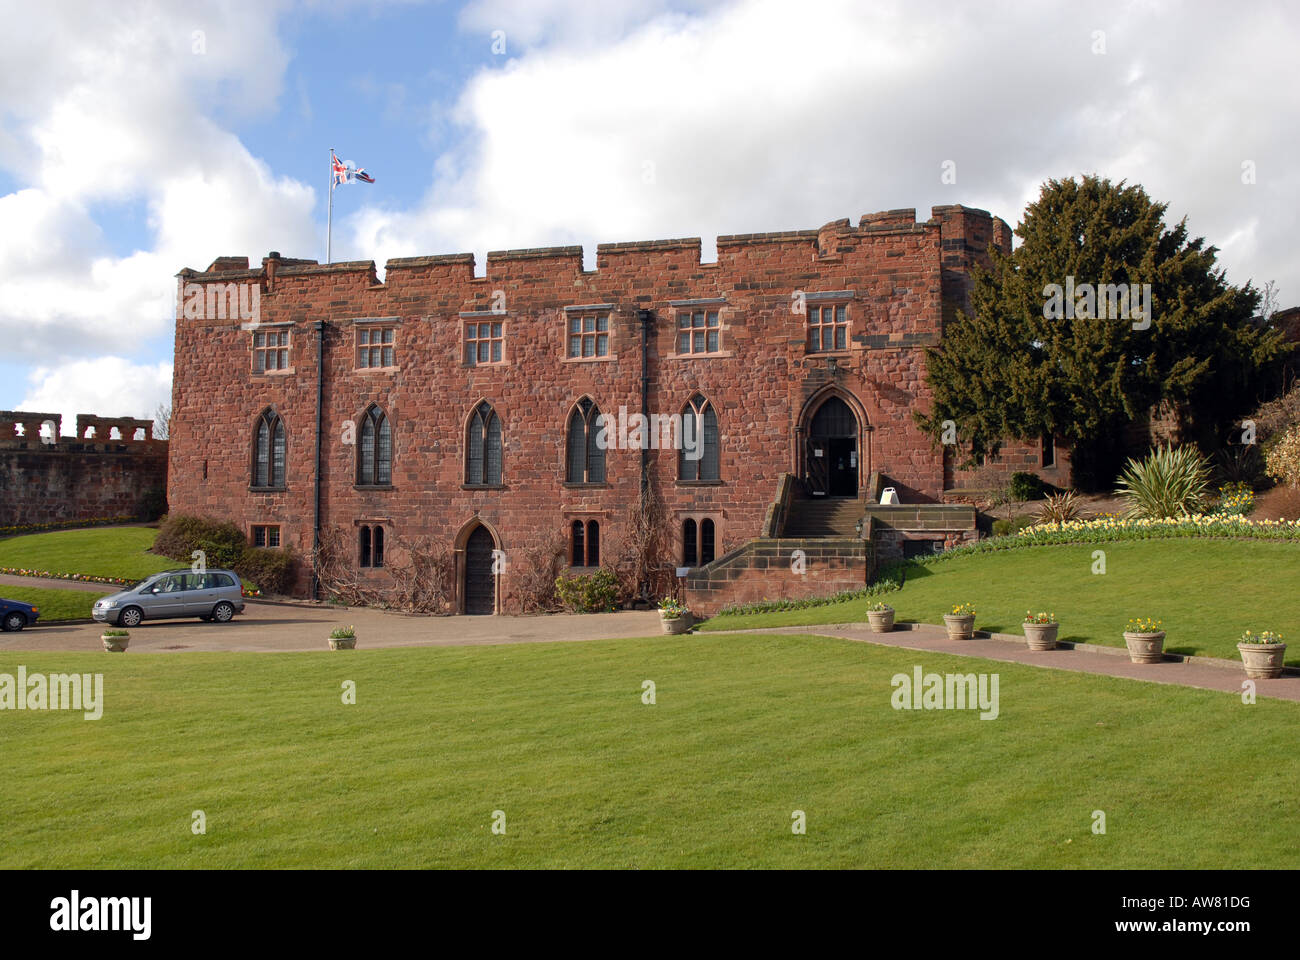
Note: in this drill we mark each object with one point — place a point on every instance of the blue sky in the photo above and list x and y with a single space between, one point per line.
126 154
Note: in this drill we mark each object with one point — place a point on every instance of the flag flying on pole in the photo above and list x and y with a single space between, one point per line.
346 172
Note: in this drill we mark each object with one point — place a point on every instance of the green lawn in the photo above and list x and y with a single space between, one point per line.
746 730
55 604
101 552
1207 592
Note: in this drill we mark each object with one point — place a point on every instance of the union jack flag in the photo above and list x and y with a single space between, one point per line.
345 172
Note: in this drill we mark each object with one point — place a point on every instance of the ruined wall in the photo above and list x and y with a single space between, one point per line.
111 467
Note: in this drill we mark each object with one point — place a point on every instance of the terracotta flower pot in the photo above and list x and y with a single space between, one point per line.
960 626
116 644
675 625
1263 661
347 643
1145 647
882 621
1041 636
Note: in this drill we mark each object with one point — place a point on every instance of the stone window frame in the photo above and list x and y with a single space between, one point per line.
272 422
372 539
376 418
706 306
481 417
820 300
695 557
370 327
690 408
580 540
267 531
259 354
580 313
476 318
590 430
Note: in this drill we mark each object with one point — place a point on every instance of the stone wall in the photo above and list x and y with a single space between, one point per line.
111 467
897 277
770 570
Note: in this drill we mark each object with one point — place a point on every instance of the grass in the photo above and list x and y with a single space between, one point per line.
102 552
55 604
746 729
1207 592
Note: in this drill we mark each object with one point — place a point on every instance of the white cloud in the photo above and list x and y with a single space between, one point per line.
107 386
757 116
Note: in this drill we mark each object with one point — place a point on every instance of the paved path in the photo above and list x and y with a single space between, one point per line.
49 583
1205 672
275 627
267 627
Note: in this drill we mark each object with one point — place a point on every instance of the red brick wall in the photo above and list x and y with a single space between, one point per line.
900 272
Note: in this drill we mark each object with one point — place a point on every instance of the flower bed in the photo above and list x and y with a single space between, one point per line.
53 575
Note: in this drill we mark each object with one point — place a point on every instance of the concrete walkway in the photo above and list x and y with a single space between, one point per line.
1207 673
270 627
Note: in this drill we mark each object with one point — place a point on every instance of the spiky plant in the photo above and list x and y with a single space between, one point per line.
1170 482
1059 508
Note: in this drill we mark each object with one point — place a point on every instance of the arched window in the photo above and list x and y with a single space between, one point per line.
483 447
579 553
370 546
586 458
690 544
706 541
699 457
268 450
375 449
584 541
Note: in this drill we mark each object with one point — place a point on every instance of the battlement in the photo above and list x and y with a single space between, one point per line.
951 225
33 431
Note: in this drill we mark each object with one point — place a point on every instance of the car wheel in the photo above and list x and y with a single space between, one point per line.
223 612
130 617
15 621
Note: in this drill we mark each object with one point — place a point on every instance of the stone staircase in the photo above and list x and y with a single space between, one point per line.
815 518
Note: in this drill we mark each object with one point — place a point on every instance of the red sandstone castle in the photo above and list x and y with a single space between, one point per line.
463 409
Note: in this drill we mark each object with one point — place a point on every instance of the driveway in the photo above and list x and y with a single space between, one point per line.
266 627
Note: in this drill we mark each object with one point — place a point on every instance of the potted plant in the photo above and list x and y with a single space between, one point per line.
1262 654
674 616
960 621
343 638
881 617
1040 630
1145 640
116 640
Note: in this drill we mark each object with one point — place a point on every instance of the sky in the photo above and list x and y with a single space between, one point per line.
139 137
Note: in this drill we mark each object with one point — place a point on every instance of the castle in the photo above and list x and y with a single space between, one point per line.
466 409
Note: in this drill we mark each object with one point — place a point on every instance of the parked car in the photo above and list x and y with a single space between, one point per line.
214 595
14 614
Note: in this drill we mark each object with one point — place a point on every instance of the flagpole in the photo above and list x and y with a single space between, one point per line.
329 216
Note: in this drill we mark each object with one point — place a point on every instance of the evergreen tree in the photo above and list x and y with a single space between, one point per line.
1030 361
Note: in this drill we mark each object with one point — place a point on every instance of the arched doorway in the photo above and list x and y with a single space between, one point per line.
831 455
480 582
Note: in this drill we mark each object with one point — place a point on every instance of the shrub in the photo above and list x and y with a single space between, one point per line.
343 633
1235 500
153 504
1059 507
588 593
1283 459
181 534
1002 528
271 569
1026 486
1170 482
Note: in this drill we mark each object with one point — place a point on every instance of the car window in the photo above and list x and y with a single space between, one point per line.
225 580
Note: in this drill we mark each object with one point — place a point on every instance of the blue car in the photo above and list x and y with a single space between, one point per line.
14 614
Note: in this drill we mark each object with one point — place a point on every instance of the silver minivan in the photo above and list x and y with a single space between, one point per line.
213 595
